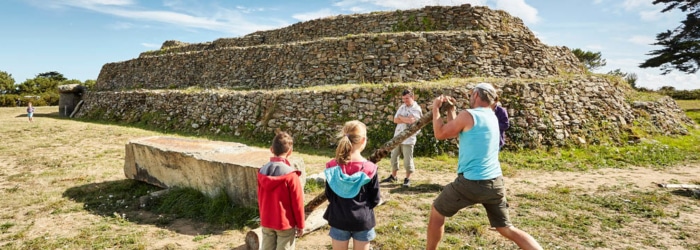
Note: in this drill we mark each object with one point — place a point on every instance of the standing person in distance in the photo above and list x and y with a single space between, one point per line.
503 121
408 113
30 112
352 189
479 175
280 197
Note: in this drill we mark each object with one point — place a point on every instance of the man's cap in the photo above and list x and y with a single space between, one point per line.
486 86
488 90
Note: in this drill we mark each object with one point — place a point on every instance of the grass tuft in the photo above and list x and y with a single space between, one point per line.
192 204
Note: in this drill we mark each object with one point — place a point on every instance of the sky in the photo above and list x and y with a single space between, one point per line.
77 37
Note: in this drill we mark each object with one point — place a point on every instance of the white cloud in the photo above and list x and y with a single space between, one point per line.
676 79
150 45
81 3
520 9
631 5
313 15
652 78
597 1
642 40
402 4
216 19
247 10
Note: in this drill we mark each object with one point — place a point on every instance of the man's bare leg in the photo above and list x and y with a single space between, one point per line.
436 228
520 237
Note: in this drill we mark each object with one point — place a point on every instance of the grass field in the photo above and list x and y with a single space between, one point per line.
63 187
693 105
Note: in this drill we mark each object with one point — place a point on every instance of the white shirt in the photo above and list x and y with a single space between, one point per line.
404 111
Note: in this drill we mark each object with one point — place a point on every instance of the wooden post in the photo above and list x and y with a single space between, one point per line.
687 186
314 221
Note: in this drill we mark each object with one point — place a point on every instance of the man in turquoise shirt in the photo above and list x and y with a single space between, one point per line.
479 179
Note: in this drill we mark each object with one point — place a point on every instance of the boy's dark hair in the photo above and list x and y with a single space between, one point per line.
407 92
282 142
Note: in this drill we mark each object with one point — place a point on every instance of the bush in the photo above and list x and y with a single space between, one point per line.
9 100
50 98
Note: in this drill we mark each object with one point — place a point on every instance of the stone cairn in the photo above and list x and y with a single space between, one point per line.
308 79
311 77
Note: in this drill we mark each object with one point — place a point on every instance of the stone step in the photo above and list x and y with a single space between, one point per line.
208 166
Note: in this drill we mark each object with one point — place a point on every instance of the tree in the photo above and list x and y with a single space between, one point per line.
592 60
89 84
630 78
681 47
617 72
37 86
7 83
53 75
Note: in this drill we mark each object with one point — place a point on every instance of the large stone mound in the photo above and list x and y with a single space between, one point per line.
311 77
416 45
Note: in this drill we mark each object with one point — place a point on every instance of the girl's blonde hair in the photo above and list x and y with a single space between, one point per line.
350 136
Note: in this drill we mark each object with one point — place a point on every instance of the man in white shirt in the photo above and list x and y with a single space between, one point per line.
408 113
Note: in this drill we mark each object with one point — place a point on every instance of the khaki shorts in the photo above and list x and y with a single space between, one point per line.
278 239
463 193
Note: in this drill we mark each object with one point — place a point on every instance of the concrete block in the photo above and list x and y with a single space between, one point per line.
208 166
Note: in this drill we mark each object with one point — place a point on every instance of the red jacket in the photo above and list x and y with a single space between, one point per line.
281 199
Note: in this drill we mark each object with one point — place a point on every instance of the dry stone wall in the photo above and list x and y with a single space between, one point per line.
543 112
376 58
431 18
252 85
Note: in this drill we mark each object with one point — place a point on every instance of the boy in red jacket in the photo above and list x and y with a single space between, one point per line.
280 197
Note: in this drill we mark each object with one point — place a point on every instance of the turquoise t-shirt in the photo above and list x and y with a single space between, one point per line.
478 147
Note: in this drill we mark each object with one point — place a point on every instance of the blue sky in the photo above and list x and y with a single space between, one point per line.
77 37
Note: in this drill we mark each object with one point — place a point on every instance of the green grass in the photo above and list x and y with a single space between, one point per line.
192 204
658 152
85 194
687 105
695 115
313 186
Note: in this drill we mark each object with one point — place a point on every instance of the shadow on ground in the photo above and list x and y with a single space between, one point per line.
121 199
397 188
690 193
49 115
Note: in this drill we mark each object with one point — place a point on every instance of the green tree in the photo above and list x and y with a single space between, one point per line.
89 84
37 86
681 46
71 81
617 72
7 83
630 78
592 60
53 75
43 83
